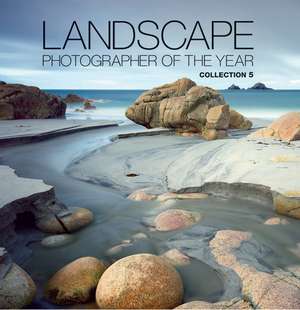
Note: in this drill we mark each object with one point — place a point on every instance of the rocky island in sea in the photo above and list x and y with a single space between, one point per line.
192 205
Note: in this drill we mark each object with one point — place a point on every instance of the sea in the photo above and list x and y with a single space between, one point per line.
112 104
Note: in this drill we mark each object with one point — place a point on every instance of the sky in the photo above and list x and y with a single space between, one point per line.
275 40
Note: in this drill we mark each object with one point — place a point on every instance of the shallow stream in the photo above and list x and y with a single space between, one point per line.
118 219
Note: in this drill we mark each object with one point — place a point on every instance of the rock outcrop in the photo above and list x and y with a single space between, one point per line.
88 105
260 86
184 106
141 281
233 87
286 128
27 102
280 289
73 98
28 197
76 282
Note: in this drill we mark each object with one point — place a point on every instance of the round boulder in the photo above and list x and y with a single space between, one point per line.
72 221
76 282
141 281
17 289
173 219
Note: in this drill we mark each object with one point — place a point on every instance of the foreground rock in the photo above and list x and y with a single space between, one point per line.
20 101
286 128
72 98
235 303
17 289
22 197
141 281
182 105
76 282
280 290
174 219
65 222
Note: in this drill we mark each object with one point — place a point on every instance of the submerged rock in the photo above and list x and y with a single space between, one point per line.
88 105
66 222
169 195
71 98
57 240
22 102
286 128
173 219
140 195
141 281
17 289
176 258
276 221
76 282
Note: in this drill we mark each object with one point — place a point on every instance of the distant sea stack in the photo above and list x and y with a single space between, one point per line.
72 98
233 87
27 102
260 86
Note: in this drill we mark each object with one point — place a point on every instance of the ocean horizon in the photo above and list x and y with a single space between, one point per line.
112 104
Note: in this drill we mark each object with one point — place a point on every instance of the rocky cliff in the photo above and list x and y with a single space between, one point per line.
24 102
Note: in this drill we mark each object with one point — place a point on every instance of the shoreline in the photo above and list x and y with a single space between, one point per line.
111 208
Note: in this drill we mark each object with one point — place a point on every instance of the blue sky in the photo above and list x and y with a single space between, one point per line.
275 39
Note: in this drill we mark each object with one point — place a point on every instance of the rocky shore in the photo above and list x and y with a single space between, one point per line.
172 220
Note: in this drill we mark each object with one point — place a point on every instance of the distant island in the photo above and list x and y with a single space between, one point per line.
259 86
234 87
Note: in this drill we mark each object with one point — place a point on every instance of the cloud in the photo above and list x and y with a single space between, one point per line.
294 82
15 72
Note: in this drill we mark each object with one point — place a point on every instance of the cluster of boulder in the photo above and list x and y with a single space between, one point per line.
126 284
186 107
26 102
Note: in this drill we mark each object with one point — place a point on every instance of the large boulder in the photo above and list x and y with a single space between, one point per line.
76 282
141 281
286 128
218 117
17 289
24 102
182 105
